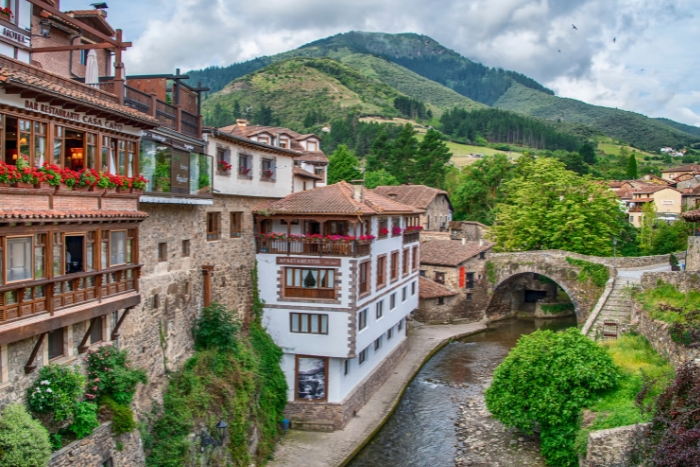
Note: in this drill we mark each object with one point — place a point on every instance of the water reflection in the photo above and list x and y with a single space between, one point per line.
421 432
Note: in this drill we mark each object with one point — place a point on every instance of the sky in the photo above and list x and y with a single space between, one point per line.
637 55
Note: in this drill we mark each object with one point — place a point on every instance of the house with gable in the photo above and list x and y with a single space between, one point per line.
436 203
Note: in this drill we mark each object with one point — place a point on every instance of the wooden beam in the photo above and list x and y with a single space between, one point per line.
115 332
58 13
44 98
29 94
13 90
82 348
31 365
66 48
70 105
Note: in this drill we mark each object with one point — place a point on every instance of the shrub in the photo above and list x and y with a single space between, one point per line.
109 375
55 392
216 328
597 273
672 438
680 309
84 419
526 393
23 441
121 414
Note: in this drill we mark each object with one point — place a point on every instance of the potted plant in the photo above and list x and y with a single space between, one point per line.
8 174
87 179
268 173
673 261
105 183
224 167
138 184
383 232
70 178
243 171
395 231
52 174
6 14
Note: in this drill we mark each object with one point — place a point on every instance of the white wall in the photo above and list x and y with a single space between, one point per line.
333 344
231 184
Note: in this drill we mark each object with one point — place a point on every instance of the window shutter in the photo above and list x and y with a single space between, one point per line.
462 277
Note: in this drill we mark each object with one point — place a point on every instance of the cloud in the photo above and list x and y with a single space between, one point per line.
520 35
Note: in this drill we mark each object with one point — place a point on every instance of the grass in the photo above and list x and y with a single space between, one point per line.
638 363
668 304
612 148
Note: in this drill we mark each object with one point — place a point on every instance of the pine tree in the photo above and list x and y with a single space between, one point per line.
403 153
431 160
380 155
588 153
632 167
236 110
343 165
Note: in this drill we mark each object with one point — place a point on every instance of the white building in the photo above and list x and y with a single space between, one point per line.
339 269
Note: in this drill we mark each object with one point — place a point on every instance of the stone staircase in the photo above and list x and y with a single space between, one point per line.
617 307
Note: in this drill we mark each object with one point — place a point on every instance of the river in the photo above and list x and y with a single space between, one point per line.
441 419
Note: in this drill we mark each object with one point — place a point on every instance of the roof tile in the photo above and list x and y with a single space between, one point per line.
430 289
419 196
450 252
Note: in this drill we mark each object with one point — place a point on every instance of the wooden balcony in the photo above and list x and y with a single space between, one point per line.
313 247
29 299
411 237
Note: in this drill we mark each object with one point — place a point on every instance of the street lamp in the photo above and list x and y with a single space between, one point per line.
614 252
208 440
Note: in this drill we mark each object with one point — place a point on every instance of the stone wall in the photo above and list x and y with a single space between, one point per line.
437 215
99 447
608 448
693 260
334 416
430 310
620 261
682 280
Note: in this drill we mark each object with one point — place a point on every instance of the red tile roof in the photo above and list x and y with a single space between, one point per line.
248 131
683 168
336 199
692 216
304 174
419 196
69 214
430 289
450 252
653 189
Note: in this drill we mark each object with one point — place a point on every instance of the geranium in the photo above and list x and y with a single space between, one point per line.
8 173
7 12
104 180
117 181
52 174
87 178
384 232
30 175
268 173
396 230
70 177
224 166
139 183
366 237
414 228
243 171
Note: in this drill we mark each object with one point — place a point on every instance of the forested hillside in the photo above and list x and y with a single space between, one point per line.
419 67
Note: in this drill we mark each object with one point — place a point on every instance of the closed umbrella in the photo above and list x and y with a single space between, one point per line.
92 75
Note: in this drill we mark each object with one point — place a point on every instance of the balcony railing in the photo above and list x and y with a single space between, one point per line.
189 124
313 247
137 100
165 113
33 298
410 237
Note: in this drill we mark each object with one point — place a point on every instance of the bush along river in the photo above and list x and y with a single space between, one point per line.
442 419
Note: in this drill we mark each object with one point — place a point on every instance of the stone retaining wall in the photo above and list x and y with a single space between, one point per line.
334 416
608 448
620 261
98 448
683 281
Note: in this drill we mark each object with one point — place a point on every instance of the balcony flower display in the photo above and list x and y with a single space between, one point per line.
8 174
224 166
70 178
396 231
415 228
314 237
7 13
383 232
268 173
87 178
139 183
243 171
53 174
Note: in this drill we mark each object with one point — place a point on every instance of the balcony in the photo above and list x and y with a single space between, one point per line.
33 298
313 246
411 236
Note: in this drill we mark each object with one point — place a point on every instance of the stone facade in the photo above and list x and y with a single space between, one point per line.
609 448
469 230
99 447
438 214
692 263
334 416
434 310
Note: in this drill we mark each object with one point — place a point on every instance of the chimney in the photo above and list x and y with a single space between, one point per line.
241 122
392 195
358 194
464 241
481 242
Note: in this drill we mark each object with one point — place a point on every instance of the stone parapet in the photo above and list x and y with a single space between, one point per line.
693 260
621 262
98 448
609 448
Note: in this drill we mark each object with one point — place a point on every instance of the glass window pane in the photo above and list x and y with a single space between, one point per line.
39 292
92 157
314 324
39 150
117 242
90 260
324 324
331 280
297 278
104 252
304 323
295 322
129 245
39 262
290 280
322 282
19 259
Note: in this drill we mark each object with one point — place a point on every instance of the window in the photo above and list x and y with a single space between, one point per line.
378 343
162 252
404 265
415 258
346 367
185 248
422 272
363 356
392 301
309 283
83 56
439 277
156 301
441 300
395 225
245 166
390 333
213 226
223 159
469 296
482 255
75 243
117 246
306 323
56 344
383 227
413 288
311 146
401 325
381 271
39 256
394 265
380 308
284 143
236 224
362 320
318 171
404 293
268 169
19 259
470 281
364 277
96 331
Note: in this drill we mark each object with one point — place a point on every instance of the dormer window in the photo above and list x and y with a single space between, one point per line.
312 145
284 143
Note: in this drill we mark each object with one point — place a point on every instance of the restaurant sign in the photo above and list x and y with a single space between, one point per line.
297 261
69 115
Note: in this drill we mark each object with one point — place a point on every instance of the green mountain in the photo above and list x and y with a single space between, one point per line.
690 129
421 68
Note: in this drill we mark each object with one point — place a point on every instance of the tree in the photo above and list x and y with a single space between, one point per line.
526 394
379 178
431 160
23 441
403 151
647 228
379 156
574 162
343 165
587 152
549 207
236 110
632 167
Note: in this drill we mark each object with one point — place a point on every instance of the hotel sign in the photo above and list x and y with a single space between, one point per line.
15 36
297 261
69 115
